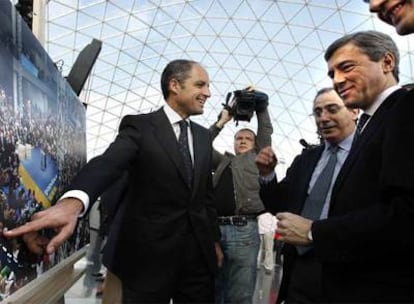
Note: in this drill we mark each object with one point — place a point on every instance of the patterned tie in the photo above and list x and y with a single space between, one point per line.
361 123
184 149
316 199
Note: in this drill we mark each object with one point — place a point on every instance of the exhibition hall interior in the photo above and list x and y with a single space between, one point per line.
75 68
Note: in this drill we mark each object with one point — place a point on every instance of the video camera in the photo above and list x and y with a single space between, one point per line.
244 103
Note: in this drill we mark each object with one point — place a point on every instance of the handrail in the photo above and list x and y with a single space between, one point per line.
50 286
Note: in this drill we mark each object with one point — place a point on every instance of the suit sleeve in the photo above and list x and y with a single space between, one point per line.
277 196
268 194
104 170
264 130
210 202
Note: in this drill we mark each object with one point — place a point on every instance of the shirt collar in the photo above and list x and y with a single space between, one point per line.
173 116
345 144
380 99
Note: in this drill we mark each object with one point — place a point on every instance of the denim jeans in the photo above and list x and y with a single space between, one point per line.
236 280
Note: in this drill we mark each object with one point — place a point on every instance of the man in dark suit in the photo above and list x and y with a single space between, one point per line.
301 281
167 247
366 244
397 13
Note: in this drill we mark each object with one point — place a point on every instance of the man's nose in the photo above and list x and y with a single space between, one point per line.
338 79
324 116
206 92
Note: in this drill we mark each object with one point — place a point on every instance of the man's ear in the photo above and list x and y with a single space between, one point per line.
174 86
355 113
388 62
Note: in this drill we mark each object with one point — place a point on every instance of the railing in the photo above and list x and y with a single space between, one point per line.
50 286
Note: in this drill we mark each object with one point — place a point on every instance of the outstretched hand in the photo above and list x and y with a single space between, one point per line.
266 161
62 217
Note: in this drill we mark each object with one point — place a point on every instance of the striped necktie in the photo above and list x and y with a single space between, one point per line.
185 151
360 125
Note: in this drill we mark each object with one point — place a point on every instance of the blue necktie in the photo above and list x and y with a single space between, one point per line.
185 151
314 202
316 199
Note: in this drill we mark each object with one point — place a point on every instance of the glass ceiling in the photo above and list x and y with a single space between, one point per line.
277 46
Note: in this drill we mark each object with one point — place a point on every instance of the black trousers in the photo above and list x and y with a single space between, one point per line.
192 281
305 285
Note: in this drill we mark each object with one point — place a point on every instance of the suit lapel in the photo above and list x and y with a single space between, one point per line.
200 151
372 127
166 137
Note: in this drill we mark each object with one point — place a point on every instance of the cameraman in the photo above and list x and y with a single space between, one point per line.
239 207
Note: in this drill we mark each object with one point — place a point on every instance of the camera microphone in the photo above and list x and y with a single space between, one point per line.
304 143
228 98
307 145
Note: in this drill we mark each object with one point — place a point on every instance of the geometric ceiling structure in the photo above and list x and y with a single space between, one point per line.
276 46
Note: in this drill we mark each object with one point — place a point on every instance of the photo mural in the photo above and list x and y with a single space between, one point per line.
42 147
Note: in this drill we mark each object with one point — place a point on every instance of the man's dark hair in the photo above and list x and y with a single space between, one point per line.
322 91
372 43
326 90
178 69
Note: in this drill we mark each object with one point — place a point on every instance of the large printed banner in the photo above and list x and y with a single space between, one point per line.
42 146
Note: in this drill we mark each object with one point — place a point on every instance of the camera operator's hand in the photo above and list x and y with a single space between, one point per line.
266 161
262 101
223 118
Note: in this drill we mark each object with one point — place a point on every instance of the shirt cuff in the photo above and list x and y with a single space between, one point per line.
310 236
80 195
267 179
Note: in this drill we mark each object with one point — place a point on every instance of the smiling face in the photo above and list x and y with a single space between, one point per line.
334 121
187 97
358 79
398 13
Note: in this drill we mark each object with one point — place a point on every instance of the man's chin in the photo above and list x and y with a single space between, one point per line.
352 103
198 112
326 134
241 151
404 30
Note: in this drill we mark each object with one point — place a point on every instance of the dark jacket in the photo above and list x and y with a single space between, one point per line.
160 207
366 243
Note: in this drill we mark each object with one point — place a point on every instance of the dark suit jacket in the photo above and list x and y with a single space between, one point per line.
160 208
367 243
290 195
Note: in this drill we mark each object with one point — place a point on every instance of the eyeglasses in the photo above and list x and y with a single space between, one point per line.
330 108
